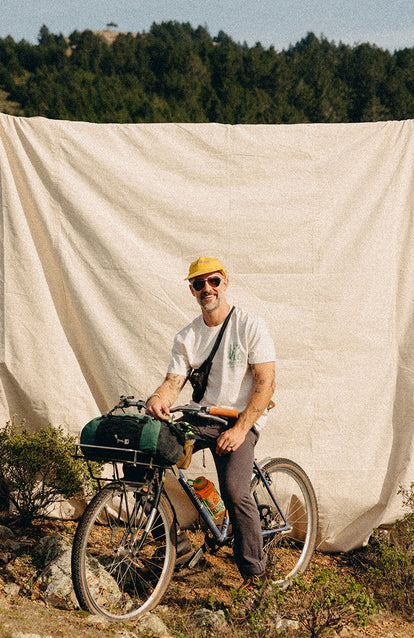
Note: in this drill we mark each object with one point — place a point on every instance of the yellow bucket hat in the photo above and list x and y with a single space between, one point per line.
204 265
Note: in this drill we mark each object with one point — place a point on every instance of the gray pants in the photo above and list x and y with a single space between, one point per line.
234 471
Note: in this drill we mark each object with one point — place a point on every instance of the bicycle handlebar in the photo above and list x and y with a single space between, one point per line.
223 412
212 411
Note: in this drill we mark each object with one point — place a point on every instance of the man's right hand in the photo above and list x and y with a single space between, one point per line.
158 404
156 408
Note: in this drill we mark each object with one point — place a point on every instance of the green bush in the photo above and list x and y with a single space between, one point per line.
323 601
38 469
390 560
319 602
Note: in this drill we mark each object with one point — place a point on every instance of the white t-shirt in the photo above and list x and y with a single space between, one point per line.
246 341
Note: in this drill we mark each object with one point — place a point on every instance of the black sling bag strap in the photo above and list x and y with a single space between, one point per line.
198 377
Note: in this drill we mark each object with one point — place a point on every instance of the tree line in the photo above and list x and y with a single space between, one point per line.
177 73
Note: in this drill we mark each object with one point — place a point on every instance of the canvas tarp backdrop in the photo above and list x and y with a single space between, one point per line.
315 226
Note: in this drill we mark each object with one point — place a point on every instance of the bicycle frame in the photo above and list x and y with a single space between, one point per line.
221 535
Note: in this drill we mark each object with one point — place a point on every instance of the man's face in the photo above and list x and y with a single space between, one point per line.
210 297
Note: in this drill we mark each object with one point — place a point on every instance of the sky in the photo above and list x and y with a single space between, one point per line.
389 24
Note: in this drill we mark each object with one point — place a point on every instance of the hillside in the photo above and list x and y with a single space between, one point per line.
177 73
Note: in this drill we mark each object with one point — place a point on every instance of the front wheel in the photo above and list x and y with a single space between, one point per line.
289 525
121 563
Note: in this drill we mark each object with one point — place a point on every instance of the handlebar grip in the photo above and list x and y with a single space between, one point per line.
223 412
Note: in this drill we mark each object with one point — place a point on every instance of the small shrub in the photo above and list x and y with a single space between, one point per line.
390 560
38 468
324 601
407 497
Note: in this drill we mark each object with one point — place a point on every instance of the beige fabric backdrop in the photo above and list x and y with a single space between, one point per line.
315 225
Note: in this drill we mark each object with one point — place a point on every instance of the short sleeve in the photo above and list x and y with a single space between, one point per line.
179 360
261 346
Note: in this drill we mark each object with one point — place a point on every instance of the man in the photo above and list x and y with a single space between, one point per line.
242 376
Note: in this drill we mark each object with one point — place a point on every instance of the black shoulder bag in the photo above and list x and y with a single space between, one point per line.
198 377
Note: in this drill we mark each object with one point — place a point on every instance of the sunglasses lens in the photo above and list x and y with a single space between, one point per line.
199 284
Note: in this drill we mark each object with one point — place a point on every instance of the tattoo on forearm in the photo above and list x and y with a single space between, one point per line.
261 388
175 382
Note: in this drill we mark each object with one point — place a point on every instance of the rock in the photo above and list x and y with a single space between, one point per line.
12 589
52 546
56 578
6 532
151 625
284 624
55 553
210 619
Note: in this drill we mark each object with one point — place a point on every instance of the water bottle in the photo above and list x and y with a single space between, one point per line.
207 493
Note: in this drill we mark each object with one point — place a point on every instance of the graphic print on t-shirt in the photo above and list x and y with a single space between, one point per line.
234 355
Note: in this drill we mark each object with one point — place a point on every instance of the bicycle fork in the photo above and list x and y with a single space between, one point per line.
131 516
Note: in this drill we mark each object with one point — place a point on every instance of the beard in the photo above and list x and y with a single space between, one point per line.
211 302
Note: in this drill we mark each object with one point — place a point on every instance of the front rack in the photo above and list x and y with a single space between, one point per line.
139 460
116 455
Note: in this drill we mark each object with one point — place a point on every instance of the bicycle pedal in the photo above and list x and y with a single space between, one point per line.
196 557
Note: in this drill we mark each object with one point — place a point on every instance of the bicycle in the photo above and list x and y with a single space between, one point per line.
124 549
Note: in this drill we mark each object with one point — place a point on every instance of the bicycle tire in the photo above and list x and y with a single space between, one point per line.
288 553
113 576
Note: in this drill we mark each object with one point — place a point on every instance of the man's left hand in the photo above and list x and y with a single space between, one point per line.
230 440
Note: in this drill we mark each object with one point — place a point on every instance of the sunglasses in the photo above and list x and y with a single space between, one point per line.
199 284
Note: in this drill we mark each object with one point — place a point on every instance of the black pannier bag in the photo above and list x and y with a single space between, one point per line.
161 441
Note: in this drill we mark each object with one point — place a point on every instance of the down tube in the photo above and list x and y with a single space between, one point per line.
219 535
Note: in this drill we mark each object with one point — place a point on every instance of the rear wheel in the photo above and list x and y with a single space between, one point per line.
290 548
119 569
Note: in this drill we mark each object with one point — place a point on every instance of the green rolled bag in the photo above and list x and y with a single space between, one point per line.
161 441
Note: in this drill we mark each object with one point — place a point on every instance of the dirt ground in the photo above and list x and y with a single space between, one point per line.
208 583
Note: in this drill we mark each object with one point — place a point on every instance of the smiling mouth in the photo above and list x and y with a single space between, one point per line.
207 300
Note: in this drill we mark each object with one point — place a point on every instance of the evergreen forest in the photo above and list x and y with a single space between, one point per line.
177 73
